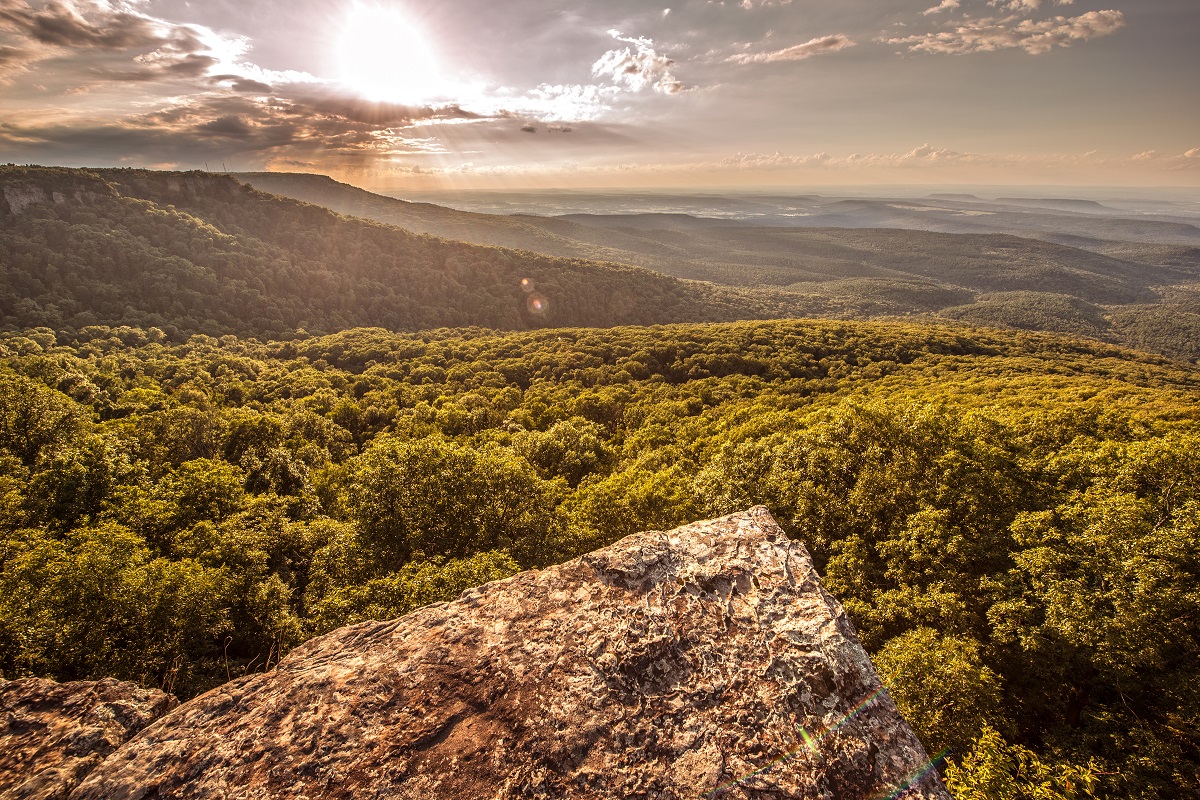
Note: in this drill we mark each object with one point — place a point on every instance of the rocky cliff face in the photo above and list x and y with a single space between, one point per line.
701 663
22 187
167 186
53 734
16 196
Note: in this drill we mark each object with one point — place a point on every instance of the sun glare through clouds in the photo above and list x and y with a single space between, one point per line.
385 56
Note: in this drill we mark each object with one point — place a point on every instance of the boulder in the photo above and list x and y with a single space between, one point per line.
704 662
54 734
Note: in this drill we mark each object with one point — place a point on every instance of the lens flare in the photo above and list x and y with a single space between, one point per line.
809 746
915 778
536 303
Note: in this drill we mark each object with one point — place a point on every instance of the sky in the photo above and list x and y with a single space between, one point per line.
740 94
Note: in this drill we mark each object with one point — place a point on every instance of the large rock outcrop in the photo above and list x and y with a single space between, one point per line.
54 734
703 662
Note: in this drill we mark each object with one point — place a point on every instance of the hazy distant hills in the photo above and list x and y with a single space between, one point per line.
195 252
957 257
1038 221
740 254
1062 204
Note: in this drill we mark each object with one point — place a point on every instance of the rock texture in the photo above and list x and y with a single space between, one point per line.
16 197
704 662
53 734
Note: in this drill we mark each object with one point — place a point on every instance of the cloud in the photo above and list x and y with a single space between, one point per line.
250 131
558 102
13 59
799 52
1034 37
326 101
946 5
639 68
1188 161
107 41
232 125
1184 161
749 4
1027 6
924 155
93 24
190 96
242 84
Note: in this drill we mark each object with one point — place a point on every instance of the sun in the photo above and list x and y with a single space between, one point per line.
385 56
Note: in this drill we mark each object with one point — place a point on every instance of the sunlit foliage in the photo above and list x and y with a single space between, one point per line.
1011 520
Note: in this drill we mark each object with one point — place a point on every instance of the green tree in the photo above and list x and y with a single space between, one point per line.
332 604
436 498
99 603
571 449
942 687
995 770
34 418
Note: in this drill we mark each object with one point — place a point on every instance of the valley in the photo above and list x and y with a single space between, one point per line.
988 263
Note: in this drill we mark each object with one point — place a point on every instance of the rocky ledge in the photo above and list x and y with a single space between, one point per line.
701 663
53 734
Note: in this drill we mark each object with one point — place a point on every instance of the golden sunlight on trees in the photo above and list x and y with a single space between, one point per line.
1011 519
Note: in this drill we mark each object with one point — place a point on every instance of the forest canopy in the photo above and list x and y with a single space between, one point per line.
1012 520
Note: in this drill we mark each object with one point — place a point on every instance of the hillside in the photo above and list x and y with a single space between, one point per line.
196 253
970 260
1010 519
193 252
743 254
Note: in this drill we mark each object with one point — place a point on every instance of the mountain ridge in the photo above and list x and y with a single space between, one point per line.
202 253
196 252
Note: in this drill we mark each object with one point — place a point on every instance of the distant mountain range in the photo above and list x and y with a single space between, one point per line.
202 253
1120 279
